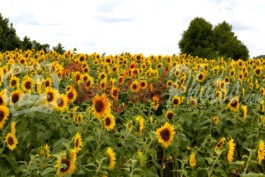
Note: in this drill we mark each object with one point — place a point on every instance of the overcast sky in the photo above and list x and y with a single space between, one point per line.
136 26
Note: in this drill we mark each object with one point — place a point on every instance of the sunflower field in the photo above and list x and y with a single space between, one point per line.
130 115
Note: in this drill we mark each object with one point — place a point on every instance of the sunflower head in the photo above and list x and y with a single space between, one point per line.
11 141
111 157
109 121
169 114
101 105
4 113
176 100
78 142
165 134
234 104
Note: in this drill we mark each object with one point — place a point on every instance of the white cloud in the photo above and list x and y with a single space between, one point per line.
149 27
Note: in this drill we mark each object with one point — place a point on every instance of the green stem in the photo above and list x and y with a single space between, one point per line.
245 170
211 170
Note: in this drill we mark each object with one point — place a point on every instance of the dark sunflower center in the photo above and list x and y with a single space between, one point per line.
107 121
258 71
60 102
49 96
88 83
115 93
10 141
77 143
142 84
70 95
15 98
99 105
1 101
47 84
134 86
170 115
2 114
165 134
66 163
200 77
234 103
28 85
13 82
175 101
81 58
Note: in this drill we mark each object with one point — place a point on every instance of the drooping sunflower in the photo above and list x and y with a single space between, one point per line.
115 93
11 141
169 114
27 84
192 160
109 121
112 158
245 111
4 113
61 102
155 102
140 121
261 151
101 105
16 96
231 149
78 142
14 82
219 145
234 104
13 128
165 134
176 100
66 163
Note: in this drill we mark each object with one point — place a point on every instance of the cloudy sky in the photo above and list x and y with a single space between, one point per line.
136 26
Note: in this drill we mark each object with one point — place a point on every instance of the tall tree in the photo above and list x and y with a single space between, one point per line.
8 37
59 48
26 43
200 39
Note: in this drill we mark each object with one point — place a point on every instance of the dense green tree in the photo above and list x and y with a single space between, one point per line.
26 43
8 38
37 46
59 48
200 39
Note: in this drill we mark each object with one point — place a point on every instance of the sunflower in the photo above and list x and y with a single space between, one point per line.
143 84
176 100
47 82
11 141
82 58
231 149
4 113
261 151
193 101
165 134
169 114
16 96
13 128
51 95
78 117
245 111
140 127
109 121
61 102
234 104
14 82
112 158
71 95
78 142
103 84
169 83
134 86
155 102
102 75
215 120
115 93
192 160
3 98
66 164
27 84
219 145
101 105
89 82
258 71
200 77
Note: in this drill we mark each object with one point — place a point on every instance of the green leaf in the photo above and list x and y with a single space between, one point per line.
47 170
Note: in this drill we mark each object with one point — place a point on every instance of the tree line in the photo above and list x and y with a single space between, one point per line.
10 41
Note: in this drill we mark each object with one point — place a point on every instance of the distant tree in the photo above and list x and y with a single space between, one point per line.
259 56
26 43
37 46
200 39
59 48
8 37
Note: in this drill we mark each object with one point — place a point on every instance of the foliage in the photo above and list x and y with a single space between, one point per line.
201 39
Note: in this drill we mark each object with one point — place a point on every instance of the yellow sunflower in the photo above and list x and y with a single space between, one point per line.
169 114
155 102
101 105
78 142
219 145
134 86
165 134
61 102
89 82
3 98
192 160
16 96
109 121
261 151
176 100
234 104
71 95
140 127
66 164
200 77
47 82
231 150
51 95
27 84
112 158
115 93
14 82
11 141
4 113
